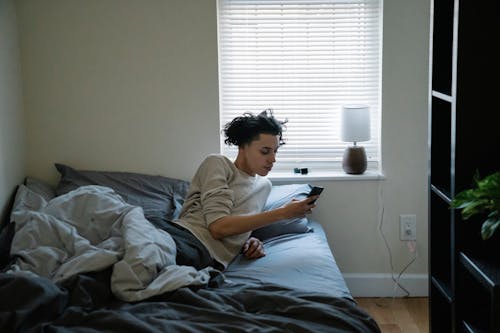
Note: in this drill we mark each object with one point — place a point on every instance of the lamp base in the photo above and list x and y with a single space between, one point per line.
354 161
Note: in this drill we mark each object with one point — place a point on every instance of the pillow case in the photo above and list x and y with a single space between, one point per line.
279 196
160 197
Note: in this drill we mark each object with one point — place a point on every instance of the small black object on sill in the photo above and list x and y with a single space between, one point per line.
302 171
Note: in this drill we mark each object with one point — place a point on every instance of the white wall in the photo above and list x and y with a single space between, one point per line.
132 85
12 150
125 84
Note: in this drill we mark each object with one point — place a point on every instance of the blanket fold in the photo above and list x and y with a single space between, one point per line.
90 229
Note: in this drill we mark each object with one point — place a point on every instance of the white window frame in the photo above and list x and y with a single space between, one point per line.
294 62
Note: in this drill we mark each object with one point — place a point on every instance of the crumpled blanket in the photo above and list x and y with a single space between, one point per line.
90 229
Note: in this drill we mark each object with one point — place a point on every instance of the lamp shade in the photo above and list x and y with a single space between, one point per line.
355 123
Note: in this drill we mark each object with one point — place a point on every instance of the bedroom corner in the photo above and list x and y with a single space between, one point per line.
12 135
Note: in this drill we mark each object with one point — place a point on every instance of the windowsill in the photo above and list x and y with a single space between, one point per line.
324 175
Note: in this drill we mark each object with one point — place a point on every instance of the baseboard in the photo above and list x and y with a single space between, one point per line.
382 285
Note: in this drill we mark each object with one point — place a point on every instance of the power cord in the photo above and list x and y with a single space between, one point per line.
411 246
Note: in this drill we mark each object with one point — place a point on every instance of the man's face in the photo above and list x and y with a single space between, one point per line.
260 154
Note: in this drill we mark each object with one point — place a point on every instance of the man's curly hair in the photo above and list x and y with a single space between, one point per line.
246 128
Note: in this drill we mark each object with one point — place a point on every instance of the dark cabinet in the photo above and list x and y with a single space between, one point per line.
464 130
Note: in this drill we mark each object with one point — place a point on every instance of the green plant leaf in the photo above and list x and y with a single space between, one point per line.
489 227
483 198
472 208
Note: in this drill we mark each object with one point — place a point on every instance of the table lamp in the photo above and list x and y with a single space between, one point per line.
355 128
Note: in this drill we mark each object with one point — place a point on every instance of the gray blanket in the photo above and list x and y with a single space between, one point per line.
90 229
84 304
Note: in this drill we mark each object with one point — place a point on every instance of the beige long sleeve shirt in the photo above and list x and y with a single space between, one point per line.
219 189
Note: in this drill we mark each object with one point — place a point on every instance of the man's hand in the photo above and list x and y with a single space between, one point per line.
299 208
253 248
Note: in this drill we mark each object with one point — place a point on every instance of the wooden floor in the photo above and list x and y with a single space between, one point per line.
395 315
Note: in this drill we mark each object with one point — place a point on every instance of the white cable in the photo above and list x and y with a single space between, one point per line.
380 225
403 270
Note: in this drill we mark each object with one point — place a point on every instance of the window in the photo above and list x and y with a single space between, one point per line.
304 60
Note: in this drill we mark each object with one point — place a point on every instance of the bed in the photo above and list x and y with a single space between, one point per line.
77 258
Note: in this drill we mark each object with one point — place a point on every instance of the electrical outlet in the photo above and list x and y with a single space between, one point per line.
407 227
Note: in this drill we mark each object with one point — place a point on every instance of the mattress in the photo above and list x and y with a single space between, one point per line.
296 261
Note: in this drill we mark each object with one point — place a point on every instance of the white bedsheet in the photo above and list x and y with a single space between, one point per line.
90 229
296 261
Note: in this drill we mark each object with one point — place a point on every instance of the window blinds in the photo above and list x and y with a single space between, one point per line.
304 60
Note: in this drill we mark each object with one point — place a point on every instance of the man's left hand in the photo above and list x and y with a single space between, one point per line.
253 248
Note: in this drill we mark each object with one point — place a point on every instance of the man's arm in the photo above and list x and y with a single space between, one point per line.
237 224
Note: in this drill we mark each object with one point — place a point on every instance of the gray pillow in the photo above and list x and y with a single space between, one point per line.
279 196
160 197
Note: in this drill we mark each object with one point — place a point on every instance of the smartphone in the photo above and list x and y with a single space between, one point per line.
316 190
